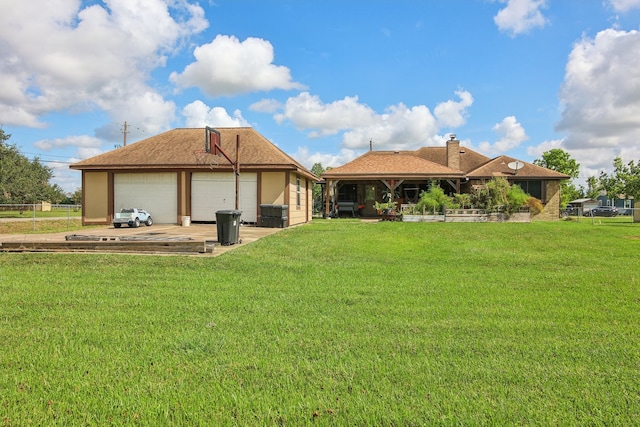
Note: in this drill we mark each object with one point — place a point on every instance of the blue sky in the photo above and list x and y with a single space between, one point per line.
321 79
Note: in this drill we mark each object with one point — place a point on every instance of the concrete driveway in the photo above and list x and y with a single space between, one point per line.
157 232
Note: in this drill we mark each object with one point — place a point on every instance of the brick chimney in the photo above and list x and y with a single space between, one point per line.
453 152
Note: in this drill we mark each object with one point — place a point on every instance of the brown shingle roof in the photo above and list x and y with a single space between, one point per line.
185 149
396 164
499 167
469 159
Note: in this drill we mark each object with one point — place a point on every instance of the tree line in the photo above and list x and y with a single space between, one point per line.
624 181
24 181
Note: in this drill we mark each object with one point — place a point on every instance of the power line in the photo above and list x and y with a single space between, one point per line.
46 155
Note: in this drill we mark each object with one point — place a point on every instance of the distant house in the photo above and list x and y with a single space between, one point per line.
405 174
177 174
624 204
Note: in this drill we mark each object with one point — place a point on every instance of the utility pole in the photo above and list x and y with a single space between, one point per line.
125 132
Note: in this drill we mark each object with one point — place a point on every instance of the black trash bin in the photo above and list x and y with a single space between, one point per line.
228 224
273 216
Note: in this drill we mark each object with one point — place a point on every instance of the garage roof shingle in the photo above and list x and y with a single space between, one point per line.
184 148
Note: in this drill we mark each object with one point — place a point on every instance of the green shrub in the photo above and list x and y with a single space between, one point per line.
498 194
434 200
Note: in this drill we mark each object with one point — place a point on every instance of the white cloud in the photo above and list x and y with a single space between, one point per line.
307 111
198 114
625 5
538 150
79 141
454 114
57 56
512 135
266 106
399 127
327 160
227 66
600 96
520 16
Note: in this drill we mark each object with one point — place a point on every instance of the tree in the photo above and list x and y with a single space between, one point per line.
23 180
76 197
317 170
560 161
613 184
625 179
631 178
593 188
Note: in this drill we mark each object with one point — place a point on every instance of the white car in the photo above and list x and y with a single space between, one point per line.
132 217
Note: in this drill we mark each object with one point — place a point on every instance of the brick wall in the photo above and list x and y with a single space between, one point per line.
551 211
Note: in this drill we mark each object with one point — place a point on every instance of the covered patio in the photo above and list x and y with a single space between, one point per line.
383 176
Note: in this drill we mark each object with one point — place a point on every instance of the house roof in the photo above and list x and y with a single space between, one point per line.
469 159
430 162
581 201
500 167
392 164
185 149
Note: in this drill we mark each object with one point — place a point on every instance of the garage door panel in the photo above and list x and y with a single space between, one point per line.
154 192
211 192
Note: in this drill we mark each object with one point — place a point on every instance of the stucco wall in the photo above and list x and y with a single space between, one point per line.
298 214
95 198
272 188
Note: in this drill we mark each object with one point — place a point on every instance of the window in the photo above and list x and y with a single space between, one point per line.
532 188
298 191
348 193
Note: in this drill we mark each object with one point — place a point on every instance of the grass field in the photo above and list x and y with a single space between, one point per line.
332 323
55 212
41 226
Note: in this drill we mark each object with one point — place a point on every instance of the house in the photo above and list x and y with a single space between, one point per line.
189 174
624 204
405 174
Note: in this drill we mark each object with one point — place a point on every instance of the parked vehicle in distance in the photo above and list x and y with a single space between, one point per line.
602 211
570 210
132 217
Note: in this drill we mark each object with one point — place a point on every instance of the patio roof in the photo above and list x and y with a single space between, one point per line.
391 164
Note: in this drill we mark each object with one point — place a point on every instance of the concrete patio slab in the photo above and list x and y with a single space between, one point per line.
161 233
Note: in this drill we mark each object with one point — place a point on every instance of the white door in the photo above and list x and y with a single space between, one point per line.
211 192
156 193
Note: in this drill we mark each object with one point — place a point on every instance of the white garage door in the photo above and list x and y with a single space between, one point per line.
155 192
211 192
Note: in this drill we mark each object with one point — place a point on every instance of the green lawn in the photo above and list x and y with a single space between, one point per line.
334 323
55 212
42 226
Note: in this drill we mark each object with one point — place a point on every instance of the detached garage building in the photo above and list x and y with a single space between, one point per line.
176 175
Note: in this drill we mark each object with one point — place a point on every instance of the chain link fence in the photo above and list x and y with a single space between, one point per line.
620 215
39 212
